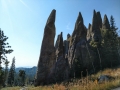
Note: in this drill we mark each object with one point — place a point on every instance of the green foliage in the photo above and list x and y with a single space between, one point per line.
113 27
1 76
107 50
110 45
5 48
22 76
6 71
11 73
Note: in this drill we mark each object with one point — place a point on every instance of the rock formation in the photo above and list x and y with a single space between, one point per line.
78 50
59 49
95 28
66 46
47 54
75 38
71 56
56 44
89 33
68 36
106 24
99 20
60 69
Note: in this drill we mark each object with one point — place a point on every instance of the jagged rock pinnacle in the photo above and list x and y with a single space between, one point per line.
51 18
106 24
59 50
99 19
47 53
79 22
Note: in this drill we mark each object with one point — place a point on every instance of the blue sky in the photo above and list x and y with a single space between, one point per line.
23 21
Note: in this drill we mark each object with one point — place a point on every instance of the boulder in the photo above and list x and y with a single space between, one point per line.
104 78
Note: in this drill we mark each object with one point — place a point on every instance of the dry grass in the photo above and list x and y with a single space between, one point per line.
89 83
11 88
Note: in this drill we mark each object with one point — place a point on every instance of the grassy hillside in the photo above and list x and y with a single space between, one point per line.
87 83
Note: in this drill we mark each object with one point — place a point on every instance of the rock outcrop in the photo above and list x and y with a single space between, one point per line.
66 47
89 33
60 70
56 44
68 58
59 49
95 28
76 35
79 49
99 19
47 54
68 36
106 24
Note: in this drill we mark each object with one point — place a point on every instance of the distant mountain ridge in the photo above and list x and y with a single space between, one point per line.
29 71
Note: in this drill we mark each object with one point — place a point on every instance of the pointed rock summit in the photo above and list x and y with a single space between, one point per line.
68 36
56 44
47 54
51 18
99 19
79 22
89 33
59 50
106 24
94 21
95 28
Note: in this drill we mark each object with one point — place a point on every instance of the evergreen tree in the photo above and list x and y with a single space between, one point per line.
4 49
1 77
110 44
113 27
22 76
113 32
11 73
6 71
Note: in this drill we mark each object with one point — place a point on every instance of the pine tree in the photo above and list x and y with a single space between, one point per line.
22 76
1 77
114 41
6 71
113 27
4 49
110 44
11 73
